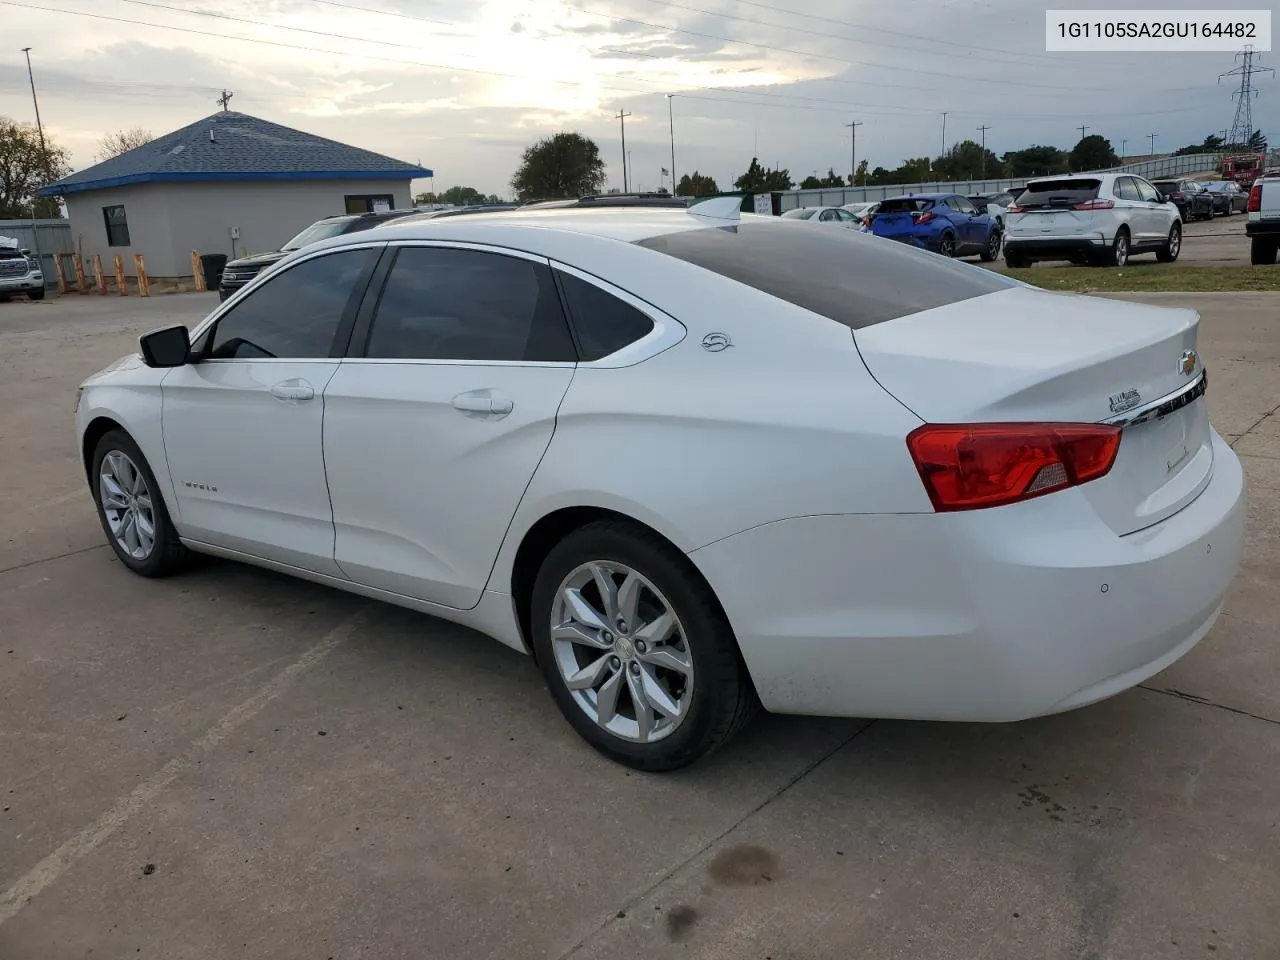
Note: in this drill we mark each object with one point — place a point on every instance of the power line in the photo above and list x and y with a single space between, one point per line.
1242 123
823 56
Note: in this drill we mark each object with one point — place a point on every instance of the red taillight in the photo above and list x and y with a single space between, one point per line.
1175 196
924 217
975 465
1016 208
1095 205
1255 199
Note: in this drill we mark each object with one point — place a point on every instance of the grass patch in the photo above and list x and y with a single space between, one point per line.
1148 277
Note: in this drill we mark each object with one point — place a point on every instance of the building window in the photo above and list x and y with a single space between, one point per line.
117 226
369 202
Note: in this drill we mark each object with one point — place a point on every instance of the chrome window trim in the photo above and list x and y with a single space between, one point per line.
1155 409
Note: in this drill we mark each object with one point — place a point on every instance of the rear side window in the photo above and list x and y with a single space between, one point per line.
604 323
849 277
446 304
1059 193
904 205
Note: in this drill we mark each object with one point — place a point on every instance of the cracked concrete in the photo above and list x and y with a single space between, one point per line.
232 764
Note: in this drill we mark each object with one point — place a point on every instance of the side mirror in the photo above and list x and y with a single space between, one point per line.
26 252
167 347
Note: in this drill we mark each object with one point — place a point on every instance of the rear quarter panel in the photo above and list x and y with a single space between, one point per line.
786 422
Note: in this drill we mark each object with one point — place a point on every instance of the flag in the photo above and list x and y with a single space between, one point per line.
666 172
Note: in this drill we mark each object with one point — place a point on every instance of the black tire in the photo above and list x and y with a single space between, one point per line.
1118 255
722 699
947 245
991 249
1015 261
1172 245
167 553
1262 251
36 294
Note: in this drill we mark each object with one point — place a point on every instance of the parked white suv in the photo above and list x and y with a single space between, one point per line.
1098 218
1263 227
19 271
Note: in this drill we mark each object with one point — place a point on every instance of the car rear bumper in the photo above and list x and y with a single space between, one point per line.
1053 246
989 615
1263 228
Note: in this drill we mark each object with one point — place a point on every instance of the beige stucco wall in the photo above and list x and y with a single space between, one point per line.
169 220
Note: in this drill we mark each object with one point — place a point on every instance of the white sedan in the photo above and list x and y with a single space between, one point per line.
827 216
649 448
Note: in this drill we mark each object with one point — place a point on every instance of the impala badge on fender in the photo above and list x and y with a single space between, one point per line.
1120 402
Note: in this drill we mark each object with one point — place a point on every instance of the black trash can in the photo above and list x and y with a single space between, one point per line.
211 265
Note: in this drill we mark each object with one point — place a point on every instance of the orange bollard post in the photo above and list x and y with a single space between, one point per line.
197 272
99 276
144 285
81 285
121 285
62 274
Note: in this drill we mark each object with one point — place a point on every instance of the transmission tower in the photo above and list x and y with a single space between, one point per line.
1242 125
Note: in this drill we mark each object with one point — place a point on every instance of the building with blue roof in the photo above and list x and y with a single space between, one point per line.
229 183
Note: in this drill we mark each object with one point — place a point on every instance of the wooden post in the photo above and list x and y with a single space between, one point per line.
196 271
144 285
99 276
62 274
78 263
121 285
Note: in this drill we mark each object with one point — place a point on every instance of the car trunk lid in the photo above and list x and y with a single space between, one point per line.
1023 355
897 217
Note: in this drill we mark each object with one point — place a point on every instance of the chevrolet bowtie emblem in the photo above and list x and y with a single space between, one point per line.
1187 363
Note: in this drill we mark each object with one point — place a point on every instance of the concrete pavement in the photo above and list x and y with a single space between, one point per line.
234 764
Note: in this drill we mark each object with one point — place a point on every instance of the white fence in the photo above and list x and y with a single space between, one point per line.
1185 165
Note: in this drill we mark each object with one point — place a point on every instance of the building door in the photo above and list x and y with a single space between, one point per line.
370 202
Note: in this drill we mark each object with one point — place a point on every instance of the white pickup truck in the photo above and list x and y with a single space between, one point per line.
1263 226
19 273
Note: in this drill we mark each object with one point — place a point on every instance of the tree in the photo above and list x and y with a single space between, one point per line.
696 185
122 141
859 177
425 199
1258 141
759 180
810 183
967 160
462 196
25 167
563 165
832 179
1211 144
1093 153
1036 161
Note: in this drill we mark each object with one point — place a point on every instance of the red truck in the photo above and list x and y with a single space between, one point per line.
1244 168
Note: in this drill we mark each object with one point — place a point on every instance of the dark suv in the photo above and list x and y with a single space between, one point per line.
1189 197
239 272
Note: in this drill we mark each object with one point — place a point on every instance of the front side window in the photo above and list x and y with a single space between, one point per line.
296 314
117 226
1126 189
447 304
1147 191
964 206
604 323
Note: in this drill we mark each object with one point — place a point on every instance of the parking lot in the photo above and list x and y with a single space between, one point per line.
233 764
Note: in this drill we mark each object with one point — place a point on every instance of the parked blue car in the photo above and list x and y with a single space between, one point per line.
944 223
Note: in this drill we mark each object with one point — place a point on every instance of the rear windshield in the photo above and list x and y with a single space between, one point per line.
316 232
1165 186
904 205
1059 193
851 278
800 214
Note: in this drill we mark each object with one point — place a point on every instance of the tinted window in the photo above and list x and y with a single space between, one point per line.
846 216
1059 193
1145 190
1167 187
445 304
802 213
604 323
849 277
318 231
295 314
904 205
1126 189
964 206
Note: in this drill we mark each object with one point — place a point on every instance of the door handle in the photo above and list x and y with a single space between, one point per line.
295 390
484 403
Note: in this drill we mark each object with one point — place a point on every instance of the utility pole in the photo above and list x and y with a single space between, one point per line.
1123 144
944 132
1152 138
1242 124
225 99
34 102
671 124
1082 128
983 130
853 156
622 119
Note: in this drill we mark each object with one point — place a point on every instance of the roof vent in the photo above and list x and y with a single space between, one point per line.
212 138
177 150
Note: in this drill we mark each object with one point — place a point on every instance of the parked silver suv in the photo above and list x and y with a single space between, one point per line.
1098 218
19 272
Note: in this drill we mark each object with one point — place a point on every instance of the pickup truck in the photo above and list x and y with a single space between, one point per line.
1263 226
19 272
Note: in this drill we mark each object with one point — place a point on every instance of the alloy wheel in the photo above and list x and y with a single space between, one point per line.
1122 249
1175 242
948 247
127 504
621 651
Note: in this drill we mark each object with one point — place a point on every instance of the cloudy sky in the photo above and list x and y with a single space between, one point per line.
462 86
